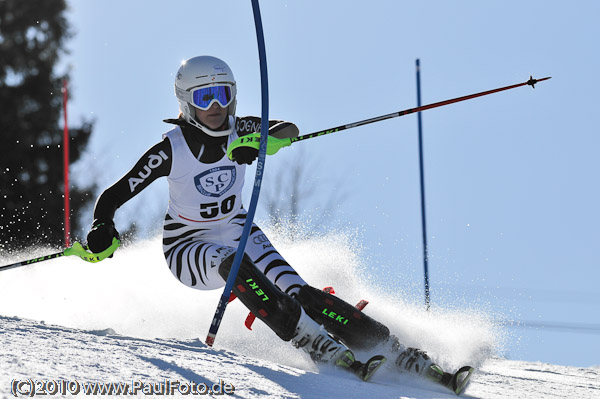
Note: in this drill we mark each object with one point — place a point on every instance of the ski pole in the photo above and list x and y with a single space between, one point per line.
76 249
275 144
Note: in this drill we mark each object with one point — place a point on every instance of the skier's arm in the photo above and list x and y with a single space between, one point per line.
277 128
250 124
283 130
155 163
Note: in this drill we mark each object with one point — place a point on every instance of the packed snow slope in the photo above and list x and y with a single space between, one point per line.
128 320
38 351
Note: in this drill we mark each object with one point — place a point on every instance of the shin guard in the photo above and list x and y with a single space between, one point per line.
341 319
279 311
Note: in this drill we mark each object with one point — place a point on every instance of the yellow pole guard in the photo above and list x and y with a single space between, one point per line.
253 140
78 250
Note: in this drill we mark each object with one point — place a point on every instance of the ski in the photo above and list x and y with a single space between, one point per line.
365 370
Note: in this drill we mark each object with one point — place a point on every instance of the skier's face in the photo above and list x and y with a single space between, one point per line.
213 118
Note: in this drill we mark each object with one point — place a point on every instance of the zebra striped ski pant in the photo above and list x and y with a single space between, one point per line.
194 254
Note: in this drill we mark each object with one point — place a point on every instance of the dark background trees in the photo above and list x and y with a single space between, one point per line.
32 40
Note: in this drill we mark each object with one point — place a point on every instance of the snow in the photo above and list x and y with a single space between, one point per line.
34 350
128 320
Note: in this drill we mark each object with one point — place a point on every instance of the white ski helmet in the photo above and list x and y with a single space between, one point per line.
199 83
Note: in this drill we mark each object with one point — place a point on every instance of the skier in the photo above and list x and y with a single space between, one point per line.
205 218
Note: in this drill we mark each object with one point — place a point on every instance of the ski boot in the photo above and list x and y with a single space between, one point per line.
313 339
417 361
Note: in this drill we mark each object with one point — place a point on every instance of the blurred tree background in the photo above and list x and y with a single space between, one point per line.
32 40
297 202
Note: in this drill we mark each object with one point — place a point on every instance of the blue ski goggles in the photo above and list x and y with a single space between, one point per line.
204 97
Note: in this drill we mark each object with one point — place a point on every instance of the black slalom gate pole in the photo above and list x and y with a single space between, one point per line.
423 219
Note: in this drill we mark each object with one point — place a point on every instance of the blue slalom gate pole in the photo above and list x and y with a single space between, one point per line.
423 219
260 166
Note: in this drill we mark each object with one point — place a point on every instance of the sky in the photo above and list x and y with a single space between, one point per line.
511 179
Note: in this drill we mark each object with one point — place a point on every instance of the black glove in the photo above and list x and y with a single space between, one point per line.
101 235
245 155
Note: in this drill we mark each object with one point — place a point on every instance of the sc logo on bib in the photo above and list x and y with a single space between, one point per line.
216 181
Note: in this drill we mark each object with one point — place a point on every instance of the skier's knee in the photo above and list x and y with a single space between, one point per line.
225 266
275 308
341 319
